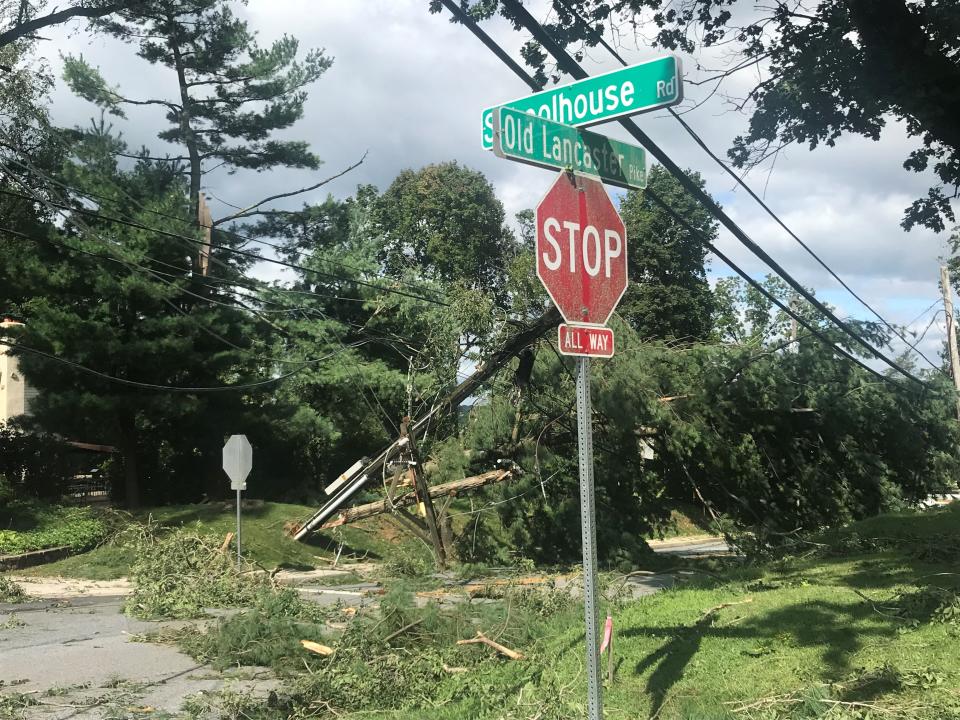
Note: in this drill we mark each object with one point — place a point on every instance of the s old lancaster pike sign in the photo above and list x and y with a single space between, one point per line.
535 141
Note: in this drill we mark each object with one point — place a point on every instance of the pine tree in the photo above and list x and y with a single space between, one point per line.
233 95
117 299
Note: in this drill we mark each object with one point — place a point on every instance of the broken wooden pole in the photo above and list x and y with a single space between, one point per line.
484 640
451 488
449 404
429 513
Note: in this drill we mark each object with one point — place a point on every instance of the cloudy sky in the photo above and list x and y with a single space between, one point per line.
408 87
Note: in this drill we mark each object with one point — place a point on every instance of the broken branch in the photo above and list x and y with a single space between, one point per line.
484 640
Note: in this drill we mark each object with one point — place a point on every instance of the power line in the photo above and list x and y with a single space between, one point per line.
344 347
154 386
130 266
812 329
742 183
241 253
366 336
776 218
570 66
929 308
231 233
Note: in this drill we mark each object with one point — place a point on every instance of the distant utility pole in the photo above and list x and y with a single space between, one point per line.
205 221
794 305
951 331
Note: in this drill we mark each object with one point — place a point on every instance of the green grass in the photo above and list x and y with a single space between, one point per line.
263 540
805 625
833 626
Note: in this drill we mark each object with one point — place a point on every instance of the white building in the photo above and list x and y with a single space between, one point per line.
15 395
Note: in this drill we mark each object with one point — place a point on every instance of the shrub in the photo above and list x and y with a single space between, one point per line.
54 526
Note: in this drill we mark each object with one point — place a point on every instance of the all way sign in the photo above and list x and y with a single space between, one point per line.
628 91
585 340
544 143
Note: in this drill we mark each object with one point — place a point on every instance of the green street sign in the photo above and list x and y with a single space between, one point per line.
628 91
544 143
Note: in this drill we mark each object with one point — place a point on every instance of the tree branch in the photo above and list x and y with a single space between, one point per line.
251 210
23 29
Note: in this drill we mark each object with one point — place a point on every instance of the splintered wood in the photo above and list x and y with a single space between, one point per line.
317 648
446 489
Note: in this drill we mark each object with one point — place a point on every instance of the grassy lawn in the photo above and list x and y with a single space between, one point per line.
862 625
263 539
838 628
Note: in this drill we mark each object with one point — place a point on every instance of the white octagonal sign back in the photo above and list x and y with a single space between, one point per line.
237 461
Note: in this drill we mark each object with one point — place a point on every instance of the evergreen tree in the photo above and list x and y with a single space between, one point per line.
233 96
117 299
668 295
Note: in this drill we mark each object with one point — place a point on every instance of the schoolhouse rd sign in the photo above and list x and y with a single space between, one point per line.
628 91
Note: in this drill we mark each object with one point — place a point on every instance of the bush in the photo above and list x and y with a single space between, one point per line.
51 526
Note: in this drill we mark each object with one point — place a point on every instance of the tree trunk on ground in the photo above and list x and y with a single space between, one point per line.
451 488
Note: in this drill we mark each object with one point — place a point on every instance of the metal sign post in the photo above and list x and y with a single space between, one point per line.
580 246
237 463
238 527
588 531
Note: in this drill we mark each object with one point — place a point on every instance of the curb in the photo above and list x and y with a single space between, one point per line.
34 557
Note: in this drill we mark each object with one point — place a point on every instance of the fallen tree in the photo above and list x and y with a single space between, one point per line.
445 490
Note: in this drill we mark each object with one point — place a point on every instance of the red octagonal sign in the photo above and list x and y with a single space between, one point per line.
581 246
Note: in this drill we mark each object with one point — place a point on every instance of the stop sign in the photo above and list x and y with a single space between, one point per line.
581 247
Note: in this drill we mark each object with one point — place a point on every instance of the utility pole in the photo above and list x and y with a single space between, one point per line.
794 306
205 221
951 331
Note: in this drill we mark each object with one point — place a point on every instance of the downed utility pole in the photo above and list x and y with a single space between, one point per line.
357 477
359 512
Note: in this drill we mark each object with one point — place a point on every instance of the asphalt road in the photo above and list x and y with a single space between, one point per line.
76 658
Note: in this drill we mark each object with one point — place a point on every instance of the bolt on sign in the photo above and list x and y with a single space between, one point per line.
638 88
581 249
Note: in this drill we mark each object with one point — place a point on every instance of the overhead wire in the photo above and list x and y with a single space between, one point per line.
224 231
130 265
152 386
742 183
242 253
573 68
301 364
